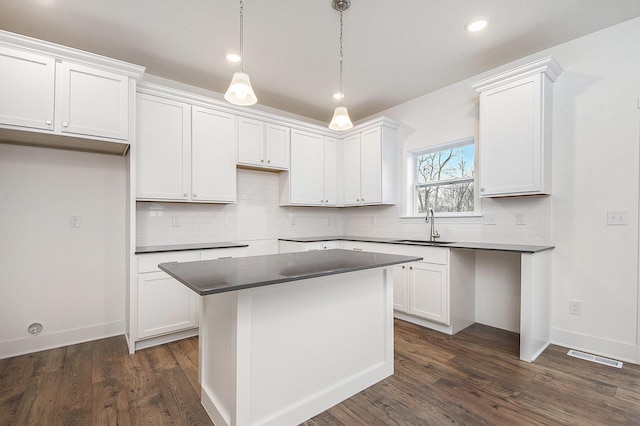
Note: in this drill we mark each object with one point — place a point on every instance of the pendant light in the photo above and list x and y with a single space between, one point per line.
341 120
240 91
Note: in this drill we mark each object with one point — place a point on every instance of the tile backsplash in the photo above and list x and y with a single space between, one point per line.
257 216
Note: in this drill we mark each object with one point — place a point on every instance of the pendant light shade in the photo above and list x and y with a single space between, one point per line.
340 120
240 91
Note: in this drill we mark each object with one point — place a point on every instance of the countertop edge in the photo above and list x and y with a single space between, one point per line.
187 247
519 248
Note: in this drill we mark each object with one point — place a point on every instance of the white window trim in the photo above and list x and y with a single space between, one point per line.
409 182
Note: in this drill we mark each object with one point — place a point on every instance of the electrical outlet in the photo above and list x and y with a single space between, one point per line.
617 217
575 307
175 221
374 219
521 218
292 220
74 222
490 218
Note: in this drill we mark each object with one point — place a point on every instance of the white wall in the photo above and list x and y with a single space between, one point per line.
595 168
70 279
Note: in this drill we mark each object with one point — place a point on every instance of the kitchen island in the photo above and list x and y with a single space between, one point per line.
284 337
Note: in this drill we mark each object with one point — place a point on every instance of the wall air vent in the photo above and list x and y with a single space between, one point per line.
595 358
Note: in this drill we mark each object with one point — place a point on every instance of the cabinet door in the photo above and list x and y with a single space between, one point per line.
400 288
277 146
510 138
164 305
330 172
371 166
93 102
163 149
429 291
27 89
307 168
250 142
351 170
213 156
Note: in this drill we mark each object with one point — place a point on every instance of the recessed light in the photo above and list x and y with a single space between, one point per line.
476 25
337 96
232 57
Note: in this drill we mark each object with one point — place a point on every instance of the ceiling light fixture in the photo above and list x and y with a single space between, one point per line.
240 91
233 57
476 25
341 120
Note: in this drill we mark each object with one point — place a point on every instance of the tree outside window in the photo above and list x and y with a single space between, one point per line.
444 179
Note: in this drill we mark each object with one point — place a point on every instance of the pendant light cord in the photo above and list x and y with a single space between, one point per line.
341 59
241 37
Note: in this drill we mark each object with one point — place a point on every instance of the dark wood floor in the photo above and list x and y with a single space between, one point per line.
473 378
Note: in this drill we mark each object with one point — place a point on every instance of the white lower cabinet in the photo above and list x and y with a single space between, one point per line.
437 292
421 289
429 291
163 309
164 305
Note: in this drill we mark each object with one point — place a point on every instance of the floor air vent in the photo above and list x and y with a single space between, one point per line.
595 358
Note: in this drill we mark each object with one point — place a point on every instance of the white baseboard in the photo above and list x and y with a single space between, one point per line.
595 345
41 342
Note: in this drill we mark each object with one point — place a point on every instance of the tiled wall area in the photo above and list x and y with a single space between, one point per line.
386 222
255 216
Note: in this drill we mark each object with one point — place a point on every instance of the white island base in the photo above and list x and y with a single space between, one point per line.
282 353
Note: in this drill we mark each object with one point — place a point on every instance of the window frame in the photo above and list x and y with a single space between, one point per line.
412 185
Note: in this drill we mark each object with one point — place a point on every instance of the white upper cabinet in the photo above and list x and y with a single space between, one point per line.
82 101
26 89
515 130
93 102
331 169
184 152
351 172
163 149
313 175
369 166
306 173
262 145
213 156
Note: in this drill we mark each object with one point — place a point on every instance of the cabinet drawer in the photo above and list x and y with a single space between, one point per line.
223 252
149 262
437 255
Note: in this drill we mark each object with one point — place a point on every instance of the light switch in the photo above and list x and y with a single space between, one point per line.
617 217
521 218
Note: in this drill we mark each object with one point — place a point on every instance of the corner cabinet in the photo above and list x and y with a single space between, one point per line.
369 166
184 152
262 145
312 177
79 100
515 130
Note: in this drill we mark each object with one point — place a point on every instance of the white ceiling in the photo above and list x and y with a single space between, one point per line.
394 50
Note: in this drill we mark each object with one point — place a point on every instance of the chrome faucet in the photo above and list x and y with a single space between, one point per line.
433 234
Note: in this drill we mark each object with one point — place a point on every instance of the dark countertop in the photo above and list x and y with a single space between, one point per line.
218 276
520 248
182 247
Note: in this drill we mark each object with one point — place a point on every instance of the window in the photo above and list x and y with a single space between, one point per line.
443 178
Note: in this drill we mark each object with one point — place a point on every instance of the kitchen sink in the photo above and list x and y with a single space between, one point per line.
425 242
